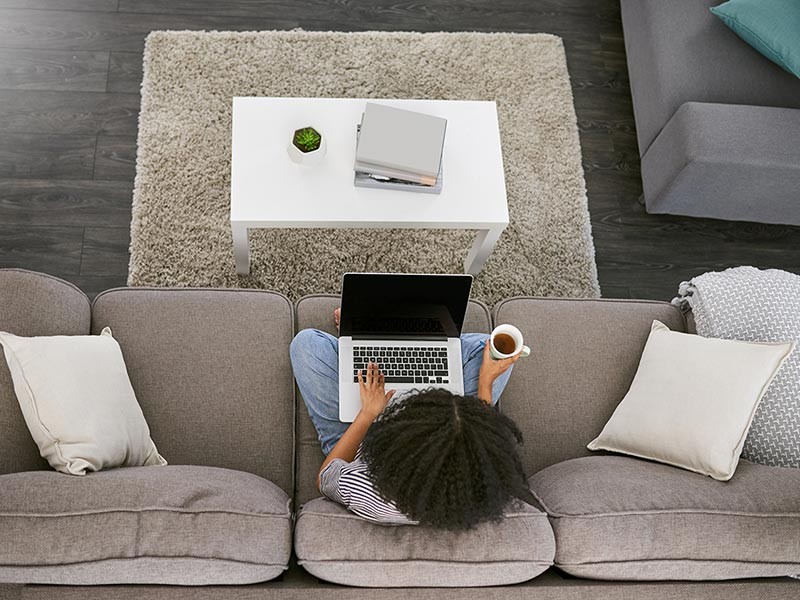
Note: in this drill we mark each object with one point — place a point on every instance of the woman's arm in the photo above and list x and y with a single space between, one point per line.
491 369
373 401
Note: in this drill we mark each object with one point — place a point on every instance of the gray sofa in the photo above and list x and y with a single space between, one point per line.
237 504
718 124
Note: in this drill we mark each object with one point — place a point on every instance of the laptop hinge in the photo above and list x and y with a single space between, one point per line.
401 338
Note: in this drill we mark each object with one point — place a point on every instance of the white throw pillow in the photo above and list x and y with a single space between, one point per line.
692 401
78 402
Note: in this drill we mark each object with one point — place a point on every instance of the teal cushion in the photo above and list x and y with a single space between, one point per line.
770 26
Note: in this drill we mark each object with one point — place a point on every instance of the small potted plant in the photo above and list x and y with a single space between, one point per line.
307 146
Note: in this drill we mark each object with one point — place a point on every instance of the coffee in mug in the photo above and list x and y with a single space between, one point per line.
506 341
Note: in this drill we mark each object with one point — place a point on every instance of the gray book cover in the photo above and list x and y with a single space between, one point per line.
401 140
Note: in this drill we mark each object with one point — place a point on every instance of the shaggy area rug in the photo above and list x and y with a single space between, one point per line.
180 231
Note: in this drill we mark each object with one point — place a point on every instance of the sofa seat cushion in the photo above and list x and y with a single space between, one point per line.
622 518
182 525
338 546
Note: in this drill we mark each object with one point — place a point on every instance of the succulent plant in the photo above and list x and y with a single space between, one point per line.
307 139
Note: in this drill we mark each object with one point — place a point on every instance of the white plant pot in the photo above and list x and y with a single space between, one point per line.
307 159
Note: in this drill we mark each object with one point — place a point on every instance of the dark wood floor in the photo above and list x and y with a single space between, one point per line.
69 100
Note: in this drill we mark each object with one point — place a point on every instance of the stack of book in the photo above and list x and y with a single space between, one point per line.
399 149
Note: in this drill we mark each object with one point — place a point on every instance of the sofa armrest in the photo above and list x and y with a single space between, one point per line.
726 161
32 304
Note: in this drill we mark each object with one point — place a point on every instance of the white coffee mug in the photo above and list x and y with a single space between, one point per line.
515 334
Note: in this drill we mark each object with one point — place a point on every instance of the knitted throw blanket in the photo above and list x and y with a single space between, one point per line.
749 304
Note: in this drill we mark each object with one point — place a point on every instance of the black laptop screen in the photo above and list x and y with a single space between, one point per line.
398 306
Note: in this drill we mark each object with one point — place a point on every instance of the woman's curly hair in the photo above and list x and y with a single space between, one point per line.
446 461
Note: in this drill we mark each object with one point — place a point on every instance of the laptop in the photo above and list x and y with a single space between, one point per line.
409 324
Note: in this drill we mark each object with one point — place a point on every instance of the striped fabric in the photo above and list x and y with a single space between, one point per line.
349 484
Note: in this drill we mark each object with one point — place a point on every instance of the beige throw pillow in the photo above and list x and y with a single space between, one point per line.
692 401
78 402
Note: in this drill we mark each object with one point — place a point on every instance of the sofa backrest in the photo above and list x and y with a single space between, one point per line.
584 354
212 374
211 371
32 304
317 312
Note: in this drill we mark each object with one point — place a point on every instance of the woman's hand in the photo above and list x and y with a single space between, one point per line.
374 398
373 401
490 370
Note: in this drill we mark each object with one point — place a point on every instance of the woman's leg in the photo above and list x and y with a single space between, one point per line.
472 345
315 362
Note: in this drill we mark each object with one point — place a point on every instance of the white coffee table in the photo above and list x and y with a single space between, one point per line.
269 190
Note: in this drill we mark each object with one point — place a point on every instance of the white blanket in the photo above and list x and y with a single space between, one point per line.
749 304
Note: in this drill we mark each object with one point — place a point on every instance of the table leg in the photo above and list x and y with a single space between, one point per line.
481 249
241 249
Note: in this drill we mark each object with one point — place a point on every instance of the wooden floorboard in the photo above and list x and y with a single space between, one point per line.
115 157
60 70
45 156
107 31
105 251
70 74
82 203
125 72
78 5
28 111
400 13
55 250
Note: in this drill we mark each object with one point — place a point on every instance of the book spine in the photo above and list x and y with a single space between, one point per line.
366 182
394 174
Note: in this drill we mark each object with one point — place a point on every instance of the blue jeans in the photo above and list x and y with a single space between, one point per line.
315 362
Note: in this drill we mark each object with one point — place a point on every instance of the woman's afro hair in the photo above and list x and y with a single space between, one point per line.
446 461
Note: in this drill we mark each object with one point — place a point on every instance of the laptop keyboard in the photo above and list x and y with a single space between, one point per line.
404 364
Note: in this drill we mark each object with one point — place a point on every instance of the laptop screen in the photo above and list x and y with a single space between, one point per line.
397 306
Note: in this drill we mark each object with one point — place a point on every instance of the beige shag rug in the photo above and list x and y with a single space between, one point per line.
180 232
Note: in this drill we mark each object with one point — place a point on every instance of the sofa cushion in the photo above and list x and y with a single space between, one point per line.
700 427
336 545
628 519
78 403
143 525
769 27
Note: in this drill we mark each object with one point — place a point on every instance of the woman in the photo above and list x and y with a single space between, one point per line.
427 457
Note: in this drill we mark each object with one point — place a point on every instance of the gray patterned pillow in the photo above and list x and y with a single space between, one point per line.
748 304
